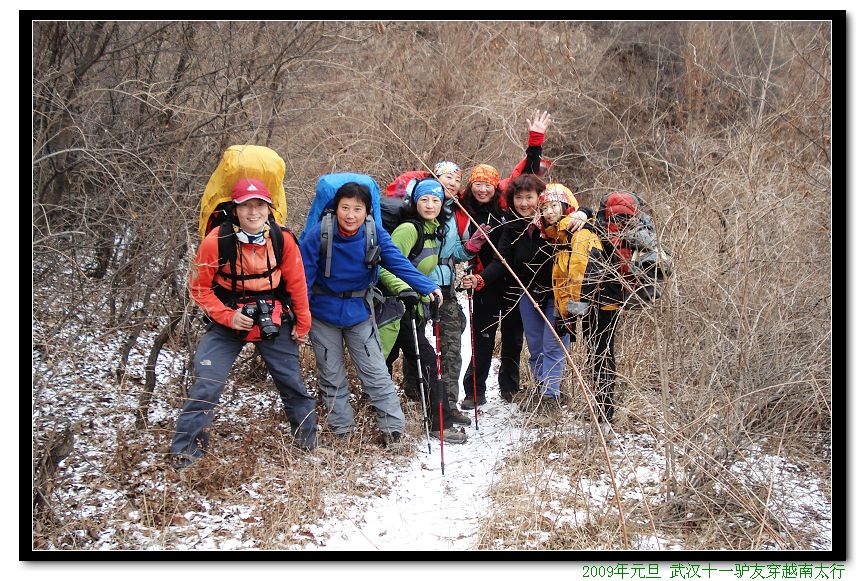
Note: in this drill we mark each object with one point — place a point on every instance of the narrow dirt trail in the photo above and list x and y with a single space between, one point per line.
425 510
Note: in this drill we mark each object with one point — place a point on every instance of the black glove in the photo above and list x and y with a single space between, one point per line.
559 326
409 298
574 326
539 294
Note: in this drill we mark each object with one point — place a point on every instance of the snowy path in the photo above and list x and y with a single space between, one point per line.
425 510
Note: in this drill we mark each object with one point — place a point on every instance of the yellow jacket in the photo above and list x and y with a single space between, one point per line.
571 263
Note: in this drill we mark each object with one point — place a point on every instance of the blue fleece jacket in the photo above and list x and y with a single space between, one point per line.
349 273
452 251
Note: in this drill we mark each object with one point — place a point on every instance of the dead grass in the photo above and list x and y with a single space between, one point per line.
723 127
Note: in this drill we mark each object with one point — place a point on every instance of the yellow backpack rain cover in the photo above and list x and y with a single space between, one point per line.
244 161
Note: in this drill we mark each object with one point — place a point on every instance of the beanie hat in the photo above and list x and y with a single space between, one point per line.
557 193
484 173
425 187
620 203
444 167
248 188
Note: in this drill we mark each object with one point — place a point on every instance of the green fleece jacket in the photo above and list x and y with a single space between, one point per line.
405 237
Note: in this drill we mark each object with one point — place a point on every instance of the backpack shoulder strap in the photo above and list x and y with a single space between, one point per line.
370 232
276 238
281 292
422 237
226 243
326 246
372 248
419 243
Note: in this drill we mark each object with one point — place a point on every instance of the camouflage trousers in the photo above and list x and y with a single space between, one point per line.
451 328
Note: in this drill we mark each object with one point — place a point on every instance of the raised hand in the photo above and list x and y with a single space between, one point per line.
540 122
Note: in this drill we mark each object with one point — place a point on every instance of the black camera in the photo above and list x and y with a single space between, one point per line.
261 312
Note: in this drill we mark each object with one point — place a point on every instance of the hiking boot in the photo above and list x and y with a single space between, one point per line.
460 418
322 452
509 395
468 403
393 442
549 404
544 411
452 435
527 400
184 461
606 430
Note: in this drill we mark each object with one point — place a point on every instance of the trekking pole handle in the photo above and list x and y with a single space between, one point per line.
434 309
468 270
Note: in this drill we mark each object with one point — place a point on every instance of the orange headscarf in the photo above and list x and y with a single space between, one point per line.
484 173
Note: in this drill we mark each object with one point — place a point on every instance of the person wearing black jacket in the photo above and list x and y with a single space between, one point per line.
623 228
483 199
529 253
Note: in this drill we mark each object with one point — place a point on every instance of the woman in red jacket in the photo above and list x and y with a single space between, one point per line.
244 300
484 201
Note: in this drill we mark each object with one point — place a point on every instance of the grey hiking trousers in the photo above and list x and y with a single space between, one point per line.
364 347
214 356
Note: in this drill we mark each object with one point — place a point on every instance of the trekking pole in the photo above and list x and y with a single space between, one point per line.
571 363
470 293
434 311
411 321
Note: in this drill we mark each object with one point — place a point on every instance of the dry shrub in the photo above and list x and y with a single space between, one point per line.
723 127
736 174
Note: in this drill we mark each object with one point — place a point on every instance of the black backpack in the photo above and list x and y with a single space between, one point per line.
227 245
651 263
394 211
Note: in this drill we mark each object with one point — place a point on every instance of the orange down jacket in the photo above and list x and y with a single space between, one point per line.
251 259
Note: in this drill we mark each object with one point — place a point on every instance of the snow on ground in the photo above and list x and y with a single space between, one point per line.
426 510
420 509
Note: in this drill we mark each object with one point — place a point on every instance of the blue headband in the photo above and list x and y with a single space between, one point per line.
427 187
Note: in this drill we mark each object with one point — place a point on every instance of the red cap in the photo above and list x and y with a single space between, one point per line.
248 188
619 203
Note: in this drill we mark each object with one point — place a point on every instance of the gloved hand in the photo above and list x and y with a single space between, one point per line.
573 326
577 309
559 326
539 294
476 242
409 298
567 326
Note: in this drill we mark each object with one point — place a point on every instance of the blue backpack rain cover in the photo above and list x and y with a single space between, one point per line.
325 190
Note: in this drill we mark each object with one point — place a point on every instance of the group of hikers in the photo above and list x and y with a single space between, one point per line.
538 265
